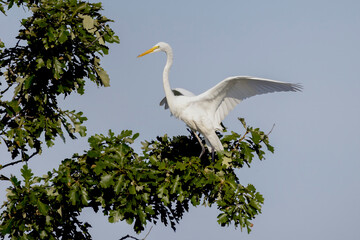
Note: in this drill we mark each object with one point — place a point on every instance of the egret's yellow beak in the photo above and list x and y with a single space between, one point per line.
148 51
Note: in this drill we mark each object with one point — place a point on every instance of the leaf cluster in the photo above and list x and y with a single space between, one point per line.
35 210
157 186
59 47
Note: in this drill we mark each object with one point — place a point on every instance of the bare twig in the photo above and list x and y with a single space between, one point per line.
147 233
19 161
128 236
5 90
4 178
12 163
271 130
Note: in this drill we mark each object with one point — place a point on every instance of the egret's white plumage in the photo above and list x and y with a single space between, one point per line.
205 112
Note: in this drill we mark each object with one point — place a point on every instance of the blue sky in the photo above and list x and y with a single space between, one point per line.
311 182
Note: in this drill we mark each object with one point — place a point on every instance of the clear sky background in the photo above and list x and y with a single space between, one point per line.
311 182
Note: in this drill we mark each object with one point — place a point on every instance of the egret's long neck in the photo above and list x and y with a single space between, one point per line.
168 92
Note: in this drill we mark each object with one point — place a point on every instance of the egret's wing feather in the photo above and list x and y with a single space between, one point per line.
224 96
225 107
177 92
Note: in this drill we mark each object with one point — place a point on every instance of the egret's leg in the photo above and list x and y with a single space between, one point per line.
202 145
213 154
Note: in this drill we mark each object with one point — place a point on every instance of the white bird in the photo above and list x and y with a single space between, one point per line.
205 112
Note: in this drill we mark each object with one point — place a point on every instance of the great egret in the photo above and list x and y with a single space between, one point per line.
205 112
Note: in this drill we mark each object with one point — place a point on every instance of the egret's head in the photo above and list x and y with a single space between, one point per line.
161 46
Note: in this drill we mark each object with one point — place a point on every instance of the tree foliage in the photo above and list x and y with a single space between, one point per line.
59 48
157 186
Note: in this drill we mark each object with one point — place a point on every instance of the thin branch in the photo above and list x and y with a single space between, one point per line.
267 135
5 90
4 178
147 233
271 130
19 161
243 137
101 25
128 236
12 163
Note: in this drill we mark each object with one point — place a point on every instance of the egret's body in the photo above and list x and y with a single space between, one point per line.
205 112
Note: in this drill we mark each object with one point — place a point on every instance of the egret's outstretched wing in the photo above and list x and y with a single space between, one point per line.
224 96
177 92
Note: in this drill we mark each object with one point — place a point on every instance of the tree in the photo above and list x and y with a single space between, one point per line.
59 48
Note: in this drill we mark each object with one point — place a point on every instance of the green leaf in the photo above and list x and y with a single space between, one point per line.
2 9
251 188
43 234
227 161
135 136
195 200
63 36
15 181
51 34
115 216
270 148
88 23
120 184
28 82
100 39
106 181
57 65
255 205
27 175
255 136
84 196
18 88
73 196
242 120
130 220
40 63
175 184
222 219
43 208
181 166
105 79
48 64
247 152
232 137
80 6
149 210
132 189
259 197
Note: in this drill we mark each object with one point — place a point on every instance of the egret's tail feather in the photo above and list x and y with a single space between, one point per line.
213 142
